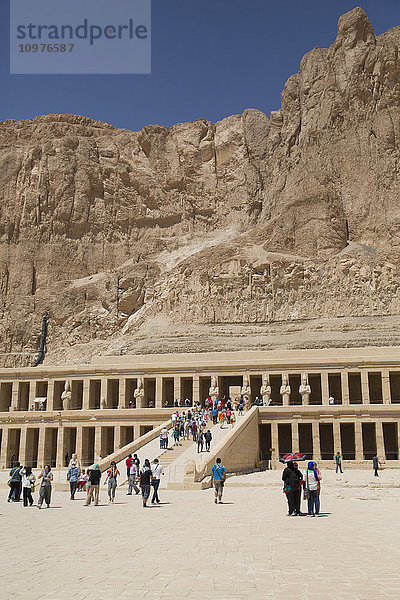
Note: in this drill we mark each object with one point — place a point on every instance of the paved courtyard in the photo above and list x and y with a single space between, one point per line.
190 548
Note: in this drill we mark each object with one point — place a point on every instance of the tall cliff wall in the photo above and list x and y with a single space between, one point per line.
189 236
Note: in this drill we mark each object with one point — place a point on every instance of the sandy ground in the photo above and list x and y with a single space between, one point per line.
188 547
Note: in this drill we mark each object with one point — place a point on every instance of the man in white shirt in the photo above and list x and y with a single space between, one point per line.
156 471
164 437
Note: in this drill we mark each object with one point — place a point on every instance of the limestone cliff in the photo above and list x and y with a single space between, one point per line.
250 232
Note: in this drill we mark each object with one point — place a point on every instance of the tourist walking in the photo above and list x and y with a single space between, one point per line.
112 474
164 435
128 463
208 438
28 485
45 487
15 483
291 478
312 487
145 479
73 476
338 461
200 441
176 435
156 471
375 465
133 475
93 485
218 477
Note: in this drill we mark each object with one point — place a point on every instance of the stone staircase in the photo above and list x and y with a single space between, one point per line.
167 457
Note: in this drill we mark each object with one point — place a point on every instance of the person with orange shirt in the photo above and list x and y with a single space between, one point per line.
112 474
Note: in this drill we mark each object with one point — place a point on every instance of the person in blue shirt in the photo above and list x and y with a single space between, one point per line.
218 478
72 476
375 464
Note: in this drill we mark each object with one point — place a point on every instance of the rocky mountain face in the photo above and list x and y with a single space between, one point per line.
188 238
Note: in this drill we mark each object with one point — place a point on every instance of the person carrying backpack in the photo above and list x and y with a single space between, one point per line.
218 477
312 478
15 483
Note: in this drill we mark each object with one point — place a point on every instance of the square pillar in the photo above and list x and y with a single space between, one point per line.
177 389
60 447
15 396
4 448
121 393
103 393
196 389
22 445
345 387
86 394
364 388
337 447
295 437
117 438
32 394
325 388
50 395
41 446
380 443
359 455
386 387
97 443
316 441
159 392
79 442
274 442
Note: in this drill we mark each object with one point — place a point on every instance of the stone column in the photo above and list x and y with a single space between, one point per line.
41 446
177 388
86 394
337 446
159 392
97 443
359 455
325 387
345 387
136 432
15 396
79 442
121 393
380 442
364 387
295 437
103 393
196 389
60 447
117 437
32 393
316 442
386 387
50 395
4 448
23 445
274 443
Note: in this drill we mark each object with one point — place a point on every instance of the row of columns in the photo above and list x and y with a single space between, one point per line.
158 399
358 439
122 401
79 446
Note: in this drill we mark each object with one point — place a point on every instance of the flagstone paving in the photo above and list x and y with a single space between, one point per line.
188 547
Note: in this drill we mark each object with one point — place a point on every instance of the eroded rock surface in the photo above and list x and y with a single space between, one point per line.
251 221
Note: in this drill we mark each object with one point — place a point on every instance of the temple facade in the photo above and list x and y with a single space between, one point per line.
315 401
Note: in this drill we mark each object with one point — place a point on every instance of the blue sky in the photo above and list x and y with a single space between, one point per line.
210 58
